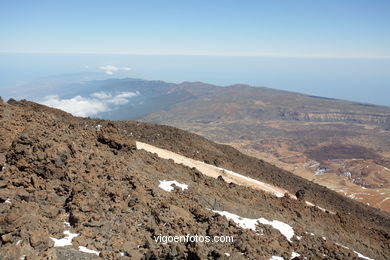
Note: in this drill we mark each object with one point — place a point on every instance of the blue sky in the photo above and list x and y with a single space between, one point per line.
333 48
348 28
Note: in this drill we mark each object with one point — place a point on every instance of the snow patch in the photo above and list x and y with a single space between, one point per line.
276 258
89 251
247 223
353 195
277 194
65 241
168 185
212 170
318 207
320 171
294 254
362 256
309 203
359 254
8 201
348 174
227 254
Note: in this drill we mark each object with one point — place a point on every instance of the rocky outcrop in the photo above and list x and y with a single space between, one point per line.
63 175
377 119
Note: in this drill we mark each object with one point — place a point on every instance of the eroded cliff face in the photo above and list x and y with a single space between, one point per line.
346 117
63 176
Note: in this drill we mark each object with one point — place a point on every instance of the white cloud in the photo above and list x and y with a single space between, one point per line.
116 99
77 106
98 102
127 94
109 69
101 95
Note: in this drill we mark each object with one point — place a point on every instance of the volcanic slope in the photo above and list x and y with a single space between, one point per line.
74 188
340 144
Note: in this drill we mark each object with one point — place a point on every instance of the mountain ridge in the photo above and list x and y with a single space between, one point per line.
288 129
54 164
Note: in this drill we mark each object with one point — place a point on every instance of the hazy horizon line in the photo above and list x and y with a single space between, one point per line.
248 54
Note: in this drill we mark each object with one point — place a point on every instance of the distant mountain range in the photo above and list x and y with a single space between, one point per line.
341 144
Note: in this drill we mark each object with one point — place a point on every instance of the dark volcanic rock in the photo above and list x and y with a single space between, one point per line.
57 168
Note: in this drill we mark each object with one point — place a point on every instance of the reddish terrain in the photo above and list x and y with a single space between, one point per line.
56 168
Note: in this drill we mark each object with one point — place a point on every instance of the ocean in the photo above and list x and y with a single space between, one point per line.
357 79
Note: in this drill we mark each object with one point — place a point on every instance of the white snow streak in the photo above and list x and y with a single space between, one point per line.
294 254
278 194
89 251
66 241
362 256
168 185
318 207
248 223
359 254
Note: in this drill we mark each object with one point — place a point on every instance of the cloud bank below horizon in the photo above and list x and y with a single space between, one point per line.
109 69
96 103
